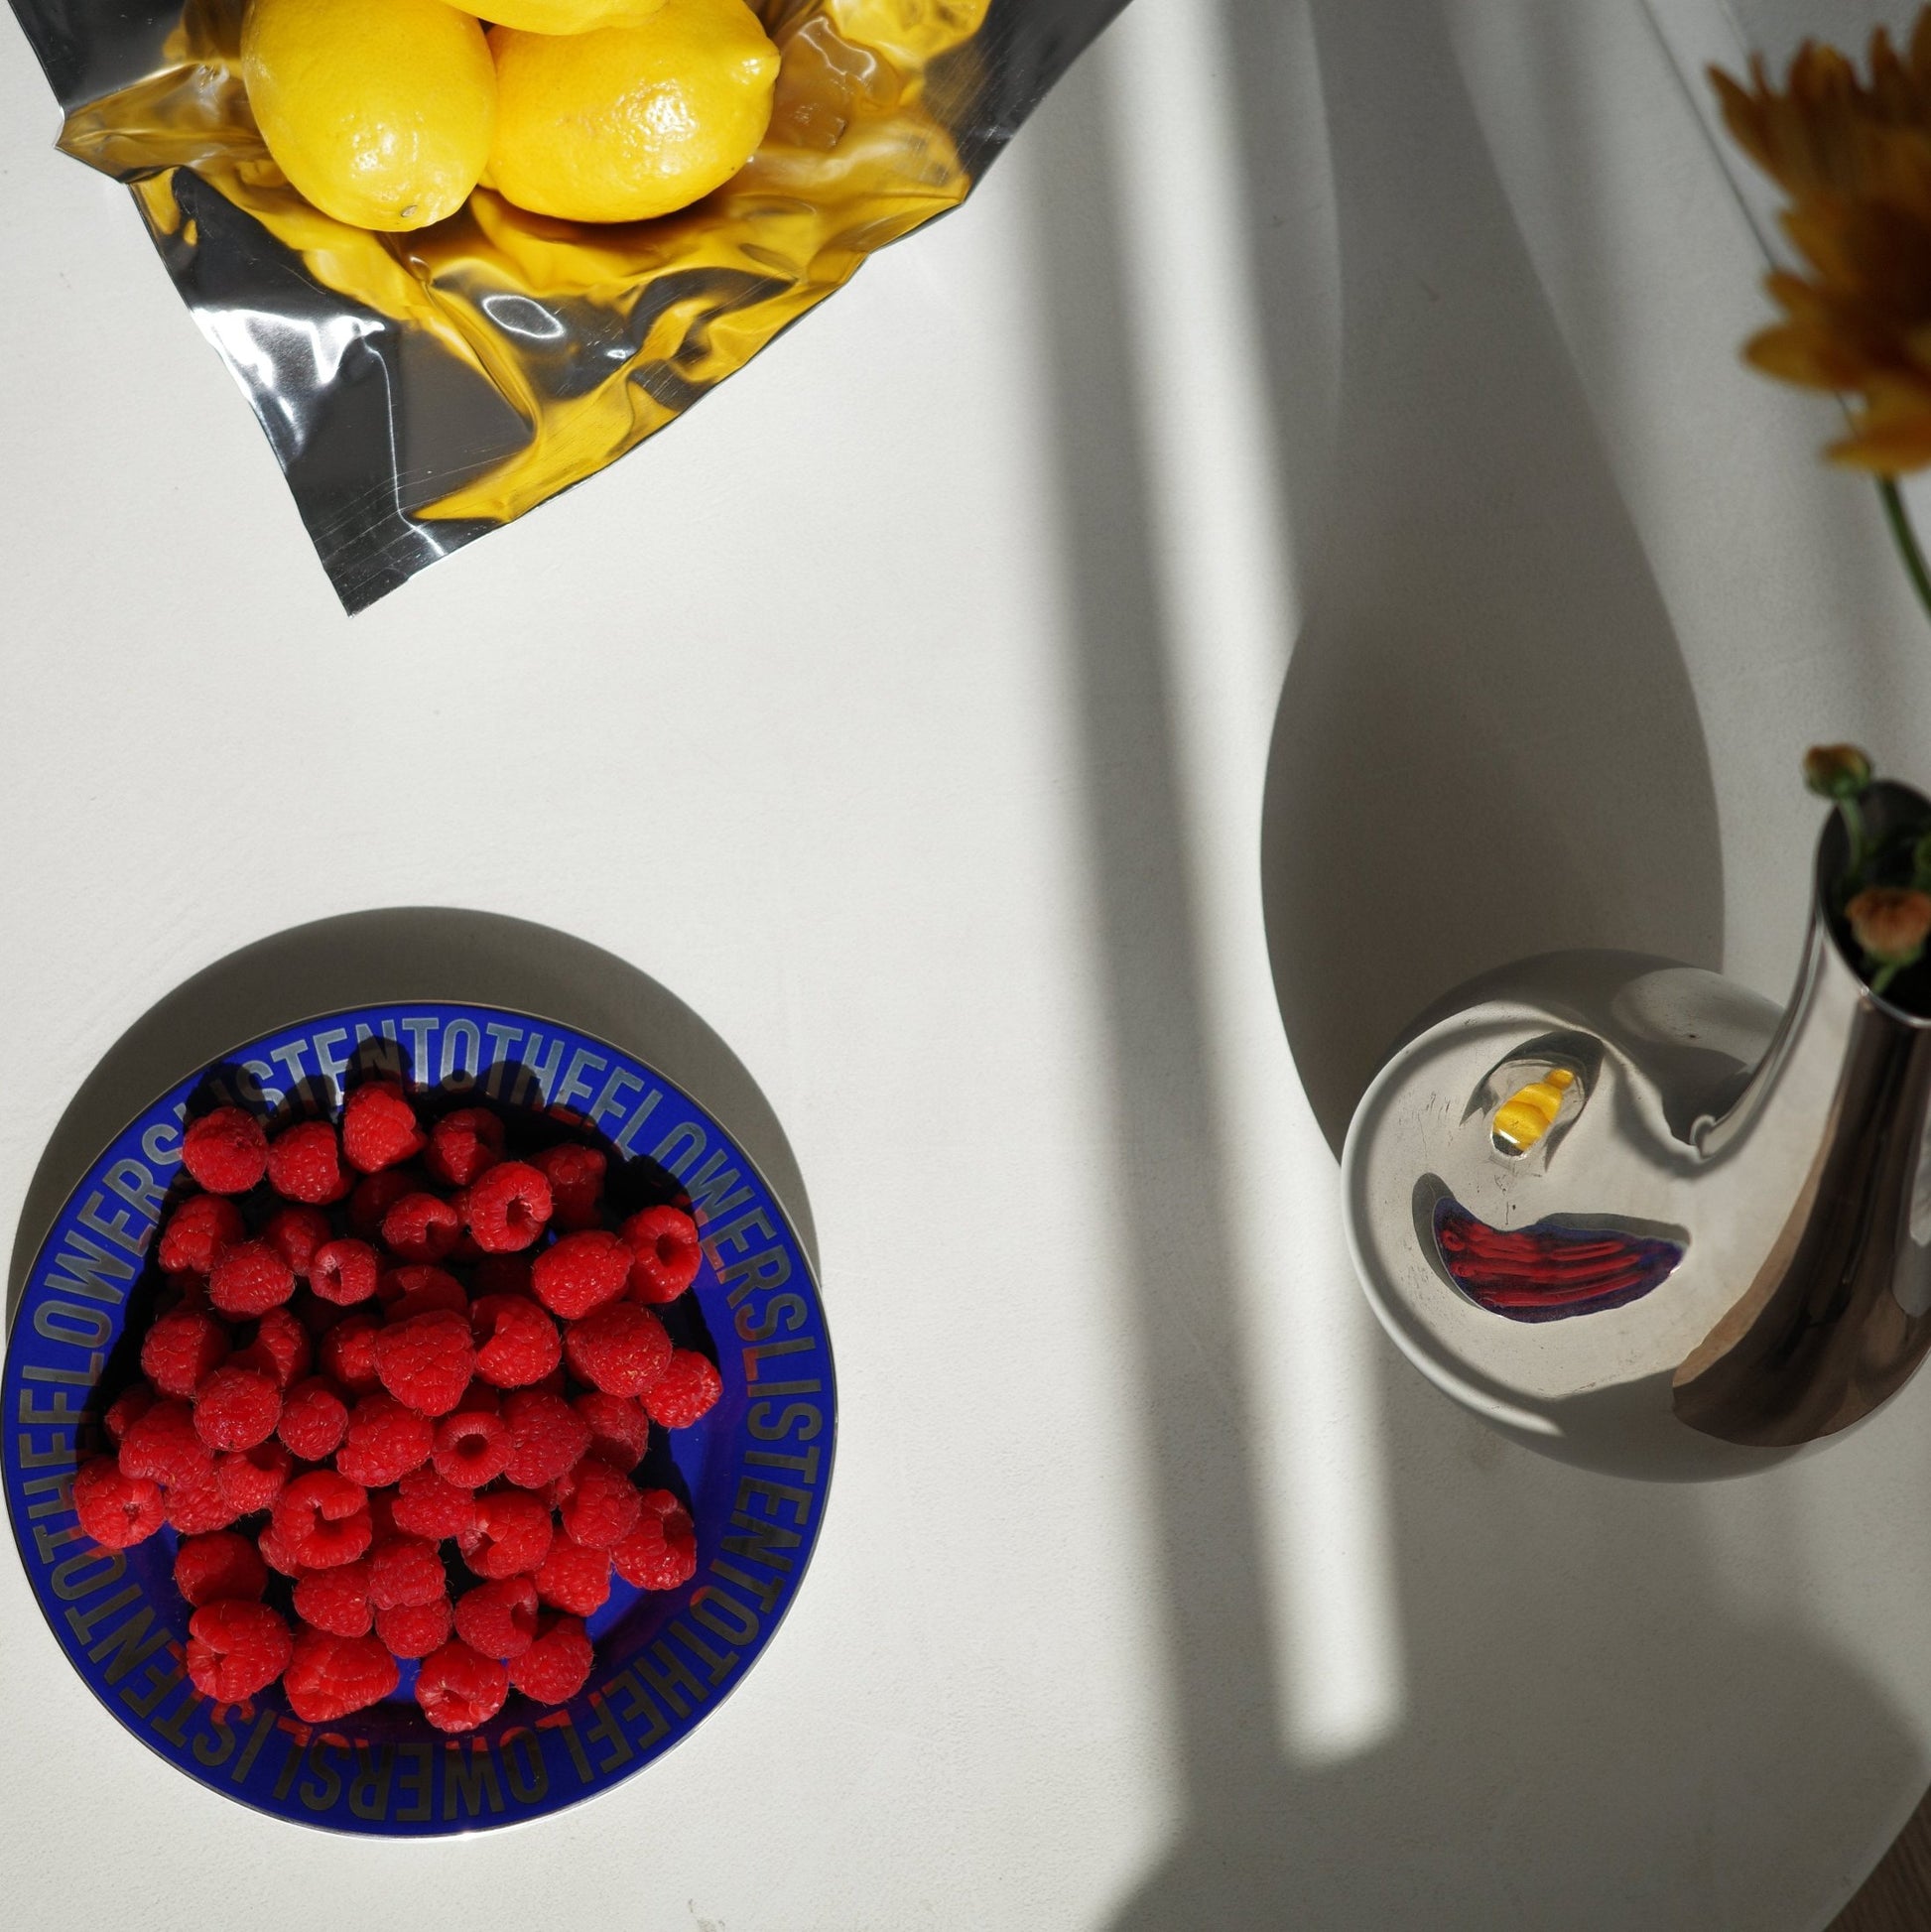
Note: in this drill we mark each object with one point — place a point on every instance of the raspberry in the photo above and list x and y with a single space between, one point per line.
498 1619
662 1551
225 1151
162 1445
385 1441
405 1570
375 1198
421 1227
337 1600
295 1233
511 1536
315 1418
235 1648
503 1274
345 1272
116 1509
463 1145
379 1126
235 1408
322 1519
427 1360
182 1347
575 1177
415 1629
665 1254
546 1437
305 1164
556 1665
619 1427
507 1208
580 1272
220 1565
249 1278
198 1505
690 1390
460 1689
620 1349
126 1409
197 1231
329 1677
275 1552
472 1447
516 1340
418 1288
575 1577
429 1505
348 1353
281 1348
251 1479
382 1514
597 1503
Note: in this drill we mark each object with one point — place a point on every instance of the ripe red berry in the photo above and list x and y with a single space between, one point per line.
511 1535
663 1242
374 1197
384 1442
575 1577
337 1600
575 1177
126 1409
235 1647
223 1564
517 1343
498 1619
689 1389
315 1418
379 1126
556 1665
181 1349
330 1677
276 1553
281 1348
579 1272
417 1288
196 1232
295 1232
463 1145
304 1163
546 1437
421 1227
163 1446
427 1360
235 1408
199 1504
249 1278
405 1570
472 1447
322 1519
599 1505
348 1353
459 1690
427 1504
345 1272
115 1508
662 1551
619 1427
620 1349
226 1151
415 1629
251 1479
507 1208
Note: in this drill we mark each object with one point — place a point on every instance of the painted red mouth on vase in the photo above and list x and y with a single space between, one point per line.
1549 1270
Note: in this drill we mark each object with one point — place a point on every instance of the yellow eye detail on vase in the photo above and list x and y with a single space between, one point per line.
1529 1112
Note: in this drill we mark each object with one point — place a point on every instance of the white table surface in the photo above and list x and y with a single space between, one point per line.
908 714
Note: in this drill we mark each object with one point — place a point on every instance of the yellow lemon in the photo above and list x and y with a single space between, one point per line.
378 112
628 122
568 15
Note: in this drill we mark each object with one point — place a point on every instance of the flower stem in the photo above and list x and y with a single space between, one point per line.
1907 539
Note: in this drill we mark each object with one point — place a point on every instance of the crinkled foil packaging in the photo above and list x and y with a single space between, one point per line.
421 389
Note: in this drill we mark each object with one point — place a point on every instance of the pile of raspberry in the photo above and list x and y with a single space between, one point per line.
411 1376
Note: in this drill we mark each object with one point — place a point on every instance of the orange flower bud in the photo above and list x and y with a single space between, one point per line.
1892 922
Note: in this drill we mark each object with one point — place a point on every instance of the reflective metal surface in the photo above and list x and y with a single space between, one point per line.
1629 1213
421 389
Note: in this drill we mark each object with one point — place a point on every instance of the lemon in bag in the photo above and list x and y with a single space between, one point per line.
380 113
628 122
569 15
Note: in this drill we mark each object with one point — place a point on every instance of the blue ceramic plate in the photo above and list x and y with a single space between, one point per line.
755 1469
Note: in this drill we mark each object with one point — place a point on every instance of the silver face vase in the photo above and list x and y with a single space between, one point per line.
1629 1213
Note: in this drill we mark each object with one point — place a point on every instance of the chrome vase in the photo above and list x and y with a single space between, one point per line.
1629 1213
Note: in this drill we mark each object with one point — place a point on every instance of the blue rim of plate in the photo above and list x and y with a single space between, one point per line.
757 1469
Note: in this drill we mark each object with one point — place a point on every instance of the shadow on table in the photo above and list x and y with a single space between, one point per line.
1488 745
396 955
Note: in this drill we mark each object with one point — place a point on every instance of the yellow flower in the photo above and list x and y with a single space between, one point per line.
1854 154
